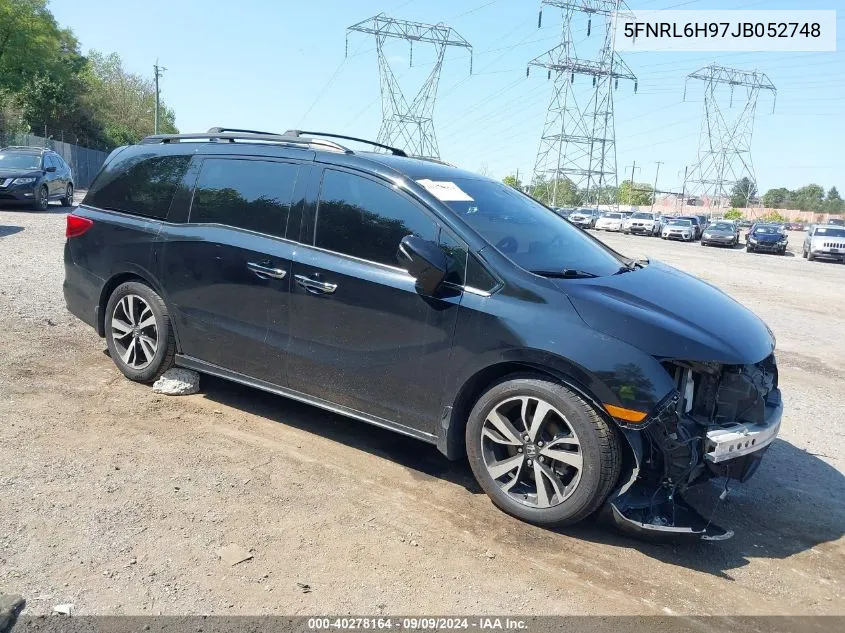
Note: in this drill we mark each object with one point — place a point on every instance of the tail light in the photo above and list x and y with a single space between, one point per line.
77 225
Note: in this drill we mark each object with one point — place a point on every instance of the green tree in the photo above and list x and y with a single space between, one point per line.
776 198
774 216
558 192
733 214
743 192
124 101
512 181
638 193
833 202
809 198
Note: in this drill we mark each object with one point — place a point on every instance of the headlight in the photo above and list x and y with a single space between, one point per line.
707 235
23 181
752 239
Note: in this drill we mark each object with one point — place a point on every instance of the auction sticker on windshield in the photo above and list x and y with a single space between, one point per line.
445 191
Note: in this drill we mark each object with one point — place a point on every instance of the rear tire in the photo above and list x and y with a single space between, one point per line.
138 331
573 451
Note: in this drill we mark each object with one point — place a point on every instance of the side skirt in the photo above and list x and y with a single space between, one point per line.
207 368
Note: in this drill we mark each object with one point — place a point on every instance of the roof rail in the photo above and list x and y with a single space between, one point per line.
38 147
393 150
218 130
282 139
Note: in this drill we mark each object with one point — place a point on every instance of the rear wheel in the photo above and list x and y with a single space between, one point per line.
138 332
541 452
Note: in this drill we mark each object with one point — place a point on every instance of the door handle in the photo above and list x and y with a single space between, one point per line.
266 271
312 285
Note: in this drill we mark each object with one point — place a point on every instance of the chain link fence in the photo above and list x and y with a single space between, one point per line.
84 161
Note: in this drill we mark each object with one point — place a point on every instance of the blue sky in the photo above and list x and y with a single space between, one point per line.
266 64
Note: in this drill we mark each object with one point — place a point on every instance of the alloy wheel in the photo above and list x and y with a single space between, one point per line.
43 198
134 331
531 451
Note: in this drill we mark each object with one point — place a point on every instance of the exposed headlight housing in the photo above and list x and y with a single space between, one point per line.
23 181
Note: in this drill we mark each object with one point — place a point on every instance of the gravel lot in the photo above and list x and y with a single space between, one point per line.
118 500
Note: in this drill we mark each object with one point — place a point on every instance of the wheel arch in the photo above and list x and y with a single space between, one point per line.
451 440
132 273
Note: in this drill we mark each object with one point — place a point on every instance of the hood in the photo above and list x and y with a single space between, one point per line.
20 173
670 314
766 237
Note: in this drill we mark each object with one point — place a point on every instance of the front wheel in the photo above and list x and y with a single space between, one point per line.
42 199
748 249
67 199
810 256
541 452
138 332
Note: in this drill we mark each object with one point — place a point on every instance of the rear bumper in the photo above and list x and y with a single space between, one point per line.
82 292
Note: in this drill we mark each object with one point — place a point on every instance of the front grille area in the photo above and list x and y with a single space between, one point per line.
833 245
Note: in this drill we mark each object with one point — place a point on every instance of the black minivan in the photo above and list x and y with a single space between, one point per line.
434 302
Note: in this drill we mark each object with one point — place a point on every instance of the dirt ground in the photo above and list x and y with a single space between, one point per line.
118 500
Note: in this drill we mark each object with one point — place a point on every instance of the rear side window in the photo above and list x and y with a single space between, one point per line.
247 194
142 184
360 217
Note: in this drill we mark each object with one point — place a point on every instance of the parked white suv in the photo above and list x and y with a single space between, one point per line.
611 221
642 223
825 241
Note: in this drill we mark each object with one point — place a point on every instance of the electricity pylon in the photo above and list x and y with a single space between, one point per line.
409 126
724 146
578 143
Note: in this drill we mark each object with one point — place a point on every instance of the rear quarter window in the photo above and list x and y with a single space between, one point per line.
141 184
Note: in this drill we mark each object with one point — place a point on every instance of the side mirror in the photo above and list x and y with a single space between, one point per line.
50 169
425 261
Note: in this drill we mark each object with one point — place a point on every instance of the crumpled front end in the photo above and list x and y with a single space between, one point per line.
717 422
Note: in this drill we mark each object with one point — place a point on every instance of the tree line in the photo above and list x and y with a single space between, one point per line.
46 83
562 192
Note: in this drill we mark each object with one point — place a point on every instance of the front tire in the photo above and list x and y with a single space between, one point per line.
139 334
67 200
810 256
526 430
42 199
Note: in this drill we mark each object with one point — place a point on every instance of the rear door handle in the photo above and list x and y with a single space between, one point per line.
312 285
266 271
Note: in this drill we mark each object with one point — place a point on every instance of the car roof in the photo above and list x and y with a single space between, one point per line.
416 168
26 150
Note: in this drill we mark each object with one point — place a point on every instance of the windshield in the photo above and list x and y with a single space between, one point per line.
527 233
612 216
20 160
721 226
642 216
766 230
831 232
679 223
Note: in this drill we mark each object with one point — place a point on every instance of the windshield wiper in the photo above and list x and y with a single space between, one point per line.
566 273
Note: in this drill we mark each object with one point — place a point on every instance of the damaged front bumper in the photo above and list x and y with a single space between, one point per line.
717 424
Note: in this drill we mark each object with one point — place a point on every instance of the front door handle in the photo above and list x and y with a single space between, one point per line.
312 285
266 271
